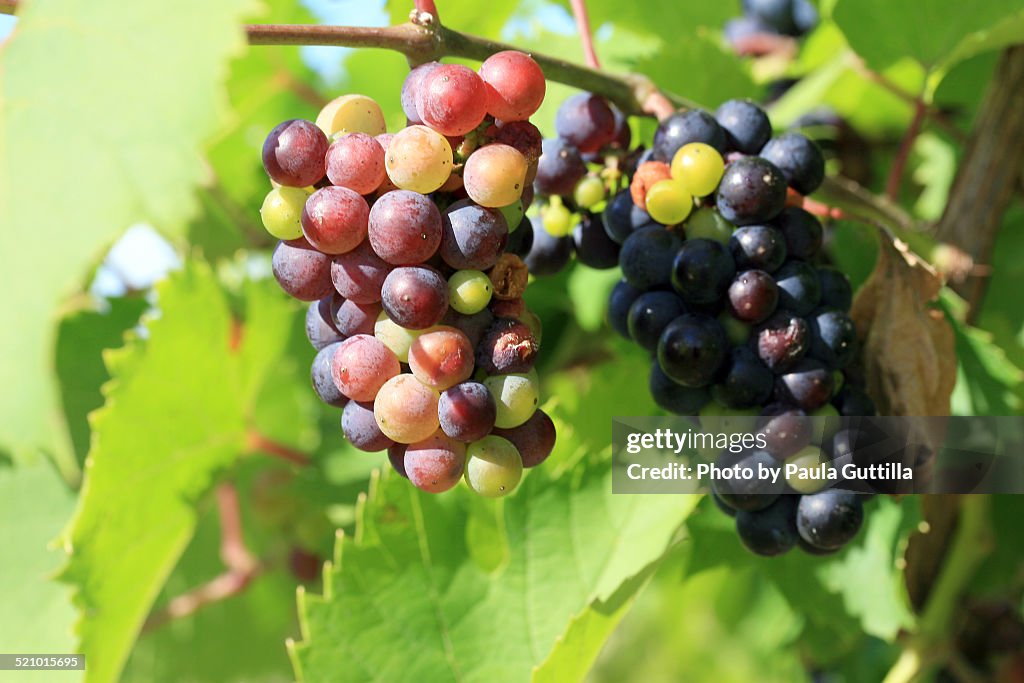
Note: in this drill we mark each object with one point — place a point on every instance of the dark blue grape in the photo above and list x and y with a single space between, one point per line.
829 519
752 191
320 328
807 385
323 382
694 125
585 121
746 126
692 350
748 494
548 255
702 271
650 314
758 247
800 160
753 296
833 338
619 302
646 257
835 288
786 430
520 240
360 428
559 168
802 232
775 13
622 217
799 290
771 531
746 381
852 401
594 248
674 397
722 505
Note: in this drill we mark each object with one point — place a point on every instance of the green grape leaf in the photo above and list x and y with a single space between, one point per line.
34 615
589 290
176 414
145 81
407 576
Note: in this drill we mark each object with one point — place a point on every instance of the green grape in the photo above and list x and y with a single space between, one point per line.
706 223
351 114
516 395
699 167
396 338
829 419
282 212
557 219
808 458
589 191
669 202
469 291
737 331
493 467
838 382
513 214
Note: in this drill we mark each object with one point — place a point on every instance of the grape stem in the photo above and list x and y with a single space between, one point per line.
259 443
899 164
579 12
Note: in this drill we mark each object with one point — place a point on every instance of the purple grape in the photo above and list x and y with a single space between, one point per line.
320 329
473 326
559 168
404 227
746 126
781 340
548 255
692 350
807 385
594 248
351 318
647 256
752 191
323 381
835 289
520 240
585 121
702 271
799 290
302 271
800 160
473 236
753 296
621 217
415 297
758 247
294 153
360 428
674 397
619 303
833 338
650 314
467 411
681 128
746 381
534 439
359 274
802 233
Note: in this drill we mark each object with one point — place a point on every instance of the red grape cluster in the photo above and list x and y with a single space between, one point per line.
399 241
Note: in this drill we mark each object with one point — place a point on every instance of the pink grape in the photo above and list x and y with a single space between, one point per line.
451 99
359 274
515 85
356 161
335 219
350 318
441 358
435 464
406 409
404 227
362 365
410 90
302 271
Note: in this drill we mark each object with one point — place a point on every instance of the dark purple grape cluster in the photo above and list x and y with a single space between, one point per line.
762 18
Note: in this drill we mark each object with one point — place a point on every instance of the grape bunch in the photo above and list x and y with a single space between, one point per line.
795 18
399 242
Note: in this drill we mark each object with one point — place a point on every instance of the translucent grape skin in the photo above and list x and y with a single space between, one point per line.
493 467
469 291
650 314
361 365
692 350
322 379
334 219
406 409
350 318
436 463
534 439
467 411
281 212
360 428
800 160
302 271
594 248
473 236
418 159
356 161
320 328
395 337
746 126
495 175
451 99
515 85
404 227
674 397
516 397
752 191
441 358
548 255
585 121
415 297
351 114
758 247
358 275
410 90
559 168
294 153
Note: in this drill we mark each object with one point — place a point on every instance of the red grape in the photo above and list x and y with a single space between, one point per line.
436 463
293 153
302 271
415 297
362 365
473 237
441 358
405 227
335 219
451 99
515 85
467 411
406 409
356 161
359 274
360 428
350 318
535 438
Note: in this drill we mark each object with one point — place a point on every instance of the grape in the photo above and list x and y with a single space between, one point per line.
699 167
808 458
406 409
746 381
588 192
451 99
799 159
534 439
469 291
799 290
802 232
674 397
435 464
619 303
758 247
302 271
404 227
807 385
752 191
833 338
334 219
650 314
473 326
559 168
753 296
495 175
410 91
647 256
356 161
746 126
294 152
361 365
351 114
594 248
683 128
782 340
323 382
473 236
415 297
786 430
350 318
835 289
669 202
647 175
805 16
493 467
724 507
516 397
441 358
320 329
702 271
586 122
508 346
622 217
467 411
556 218
748 495
829 519
282 212
511 308
514 84
853 401
395 337
360 428
396 456
418 159
692 350
509 278
526 138
739 29
771 531
358 275
548 255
